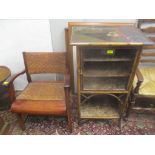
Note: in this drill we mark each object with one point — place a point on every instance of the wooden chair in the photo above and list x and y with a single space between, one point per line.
44 97
143 95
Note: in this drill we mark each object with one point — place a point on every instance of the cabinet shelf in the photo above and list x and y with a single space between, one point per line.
100 108
99 83
93 55
107 59
106 69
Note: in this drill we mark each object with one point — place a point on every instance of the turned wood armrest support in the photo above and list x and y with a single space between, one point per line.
139 75
67 91
67 80
67 99
11 79
139 81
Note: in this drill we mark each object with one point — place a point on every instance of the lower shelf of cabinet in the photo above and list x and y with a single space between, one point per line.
104 83
99 110
143 110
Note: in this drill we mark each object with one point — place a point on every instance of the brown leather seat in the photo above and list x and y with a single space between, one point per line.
39 107
41 98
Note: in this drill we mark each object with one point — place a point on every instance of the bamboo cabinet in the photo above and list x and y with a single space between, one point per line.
107 58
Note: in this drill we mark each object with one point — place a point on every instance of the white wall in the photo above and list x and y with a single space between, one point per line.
17 36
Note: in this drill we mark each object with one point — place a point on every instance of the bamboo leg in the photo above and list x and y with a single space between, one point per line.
130 108
119 124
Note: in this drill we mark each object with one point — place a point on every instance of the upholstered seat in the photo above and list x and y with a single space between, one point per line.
148 85
43 91
39 107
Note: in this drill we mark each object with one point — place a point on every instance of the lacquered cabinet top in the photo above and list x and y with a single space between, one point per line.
107 35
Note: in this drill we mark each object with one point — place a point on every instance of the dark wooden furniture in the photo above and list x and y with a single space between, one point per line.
5 95
143 94
107 57
5 91
44 97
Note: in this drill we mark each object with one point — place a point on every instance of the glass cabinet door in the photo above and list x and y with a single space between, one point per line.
106 69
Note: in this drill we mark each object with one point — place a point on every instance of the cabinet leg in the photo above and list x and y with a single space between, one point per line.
119 123
79 121
128 111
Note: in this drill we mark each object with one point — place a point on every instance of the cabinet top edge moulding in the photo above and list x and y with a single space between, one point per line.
106 34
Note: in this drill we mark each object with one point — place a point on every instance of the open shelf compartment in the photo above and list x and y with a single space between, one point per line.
144 104
100 106
99 54
106 69
104 83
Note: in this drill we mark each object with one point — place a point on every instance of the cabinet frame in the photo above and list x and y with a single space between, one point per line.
83 38
126 92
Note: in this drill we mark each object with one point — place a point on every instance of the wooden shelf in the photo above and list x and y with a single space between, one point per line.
106 59
104 91
106 69
100 55
143 110
104 83
145 103
100 108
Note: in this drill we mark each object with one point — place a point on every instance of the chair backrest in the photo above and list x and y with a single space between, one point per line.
44 62
147 26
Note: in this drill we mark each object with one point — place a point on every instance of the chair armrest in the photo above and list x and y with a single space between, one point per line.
139 82
11 79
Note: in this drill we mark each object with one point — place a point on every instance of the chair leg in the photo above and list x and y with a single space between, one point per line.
21 121
69 123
